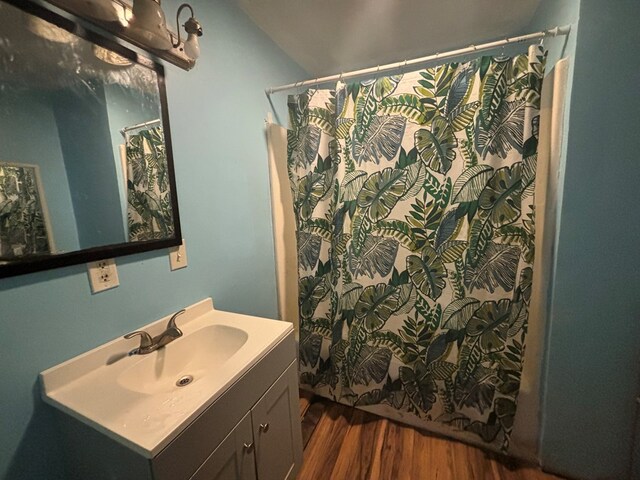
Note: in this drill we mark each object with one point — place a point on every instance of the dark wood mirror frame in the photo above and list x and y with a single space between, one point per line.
46 262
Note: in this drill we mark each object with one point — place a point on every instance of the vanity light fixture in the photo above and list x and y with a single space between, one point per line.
193 29
149 25
144 24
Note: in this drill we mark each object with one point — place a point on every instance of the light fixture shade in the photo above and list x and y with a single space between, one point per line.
192 47
149 25
99 9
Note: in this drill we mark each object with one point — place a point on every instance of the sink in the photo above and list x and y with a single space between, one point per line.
144 401
193 356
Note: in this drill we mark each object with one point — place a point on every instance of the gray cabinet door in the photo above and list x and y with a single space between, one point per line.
234 458
277 430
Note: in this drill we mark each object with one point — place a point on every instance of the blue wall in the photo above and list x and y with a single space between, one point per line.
593 351
85 138
216 115
593 335
29 134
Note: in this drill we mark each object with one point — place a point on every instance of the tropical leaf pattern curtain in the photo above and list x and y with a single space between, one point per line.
413 197
149 212
23 230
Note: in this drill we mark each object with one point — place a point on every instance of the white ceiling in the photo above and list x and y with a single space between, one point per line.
330 36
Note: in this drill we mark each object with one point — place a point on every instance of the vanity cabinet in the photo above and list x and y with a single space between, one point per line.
277 430
234 458
251 431
265 444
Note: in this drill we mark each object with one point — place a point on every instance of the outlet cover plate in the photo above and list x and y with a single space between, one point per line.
178 256
103 275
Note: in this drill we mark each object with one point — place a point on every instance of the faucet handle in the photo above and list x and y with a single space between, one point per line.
145 339
172 320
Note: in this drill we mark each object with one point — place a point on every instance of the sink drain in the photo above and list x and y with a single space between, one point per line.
184 381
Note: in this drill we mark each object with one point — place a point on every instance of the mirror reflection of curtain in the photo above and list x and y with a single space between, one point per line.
149 214
414 198
23 225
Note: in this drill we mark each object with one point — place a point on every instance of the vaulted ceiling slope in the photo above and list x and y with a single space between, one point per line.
330 36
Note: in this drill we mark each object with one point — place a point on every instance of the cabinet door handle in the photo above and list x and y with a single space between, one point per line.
248 446
264 427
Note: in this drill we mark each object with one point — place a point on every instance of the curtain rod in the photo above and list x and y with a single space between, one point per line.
140 125
553 32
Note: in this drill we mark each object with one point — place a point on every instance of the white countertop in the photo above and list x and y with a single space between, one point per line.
89 387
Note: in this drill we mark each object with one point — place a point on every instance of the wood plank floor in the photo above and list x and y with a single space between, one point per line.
345 443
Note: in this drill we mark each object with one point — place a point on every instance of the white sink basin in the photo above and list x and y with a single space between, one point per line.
138 399
194 356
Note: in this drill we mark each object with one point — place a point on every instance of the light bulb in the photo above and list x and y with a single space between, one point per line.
192 46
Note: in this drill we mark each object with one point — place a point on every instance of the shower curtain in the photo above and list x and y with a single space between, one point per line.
283 221
413 198
149 210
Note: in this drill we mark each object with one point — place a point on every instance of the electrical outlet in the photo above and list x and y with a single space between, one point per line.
178 256
103 275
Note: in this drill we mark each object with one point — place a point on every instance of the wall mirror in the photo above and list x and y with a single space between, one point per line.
86 168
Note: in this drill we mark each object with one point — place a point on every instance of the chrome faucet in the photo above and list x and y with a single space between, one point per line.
148 344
